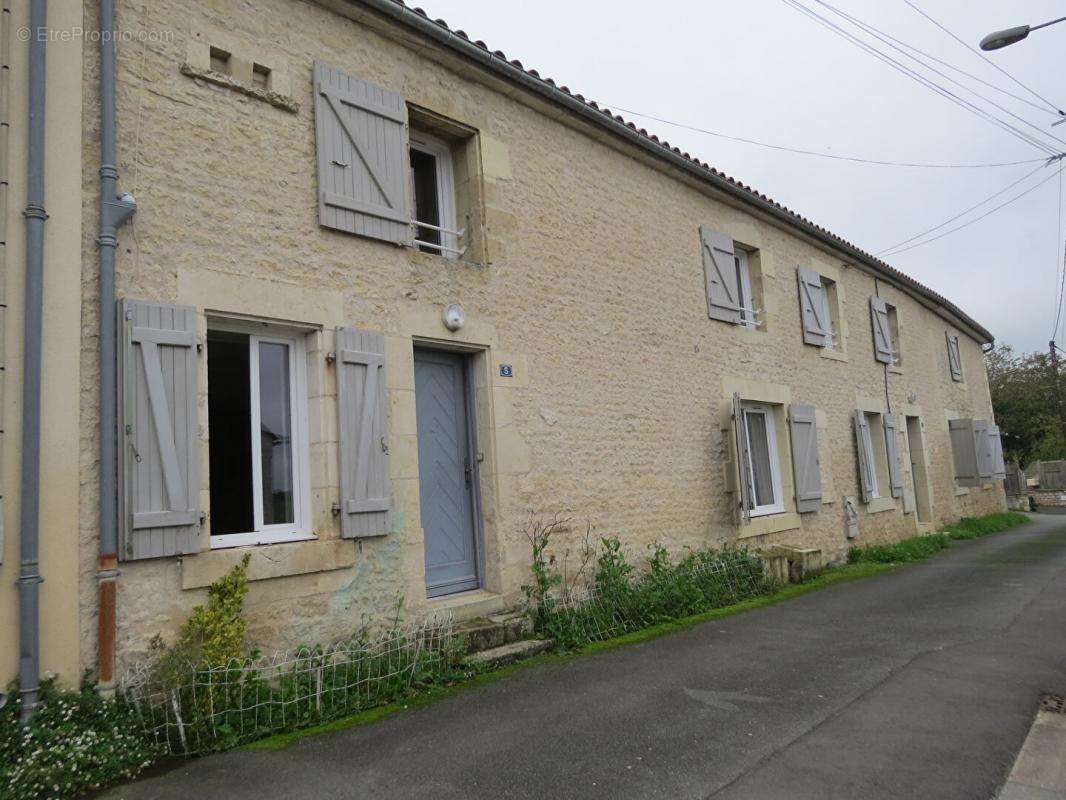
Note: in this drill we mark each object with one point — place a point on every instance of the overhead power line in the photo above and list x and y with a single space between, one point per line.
948 221
991 211
884 38
985 58
922 79
818 153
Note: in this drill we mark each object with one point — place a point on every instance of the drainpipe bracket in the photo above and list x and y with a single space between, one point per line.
34 211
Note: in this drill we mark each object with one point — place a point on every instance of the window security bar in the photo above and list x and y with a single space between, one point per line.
831 340
441 247
749 315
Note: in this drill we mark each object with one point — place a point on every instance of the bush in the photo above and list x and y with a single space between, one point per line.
914 549
620 599
974 527
75 742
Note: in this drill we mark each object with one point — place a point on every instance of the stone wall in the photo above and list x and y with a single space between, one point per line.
590 283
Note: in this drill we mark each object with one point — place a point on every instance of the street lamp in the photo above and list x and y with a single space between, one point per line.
999 39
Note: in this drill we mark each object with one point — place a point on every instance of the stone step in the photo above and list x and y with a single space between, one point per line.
508 653
485 633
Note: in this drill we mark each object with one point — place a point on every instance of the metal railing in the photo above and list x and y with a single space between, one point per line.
442 248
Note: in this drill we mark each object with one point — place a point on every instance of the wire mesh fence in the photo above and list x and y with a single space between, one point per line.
701 582
192 708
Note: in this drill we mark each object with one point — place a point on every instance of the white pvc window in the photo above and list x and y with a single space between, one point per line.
872 420
746 302
433 195
259 456
764 471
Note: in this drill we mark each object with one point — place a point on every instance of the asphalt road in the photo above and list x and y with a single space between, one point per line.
918 683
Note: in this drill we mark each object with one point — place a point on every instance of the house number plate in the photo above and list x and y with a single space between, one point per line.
506 371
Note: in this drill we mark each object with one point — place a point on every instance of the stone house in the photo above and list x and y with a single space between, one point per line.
385 294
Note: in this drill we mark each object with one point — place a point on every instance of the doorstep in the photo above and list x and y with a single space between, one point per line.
465 606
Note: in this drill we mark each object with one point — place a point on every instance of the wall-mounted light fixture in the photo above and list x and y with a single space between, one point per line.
454 317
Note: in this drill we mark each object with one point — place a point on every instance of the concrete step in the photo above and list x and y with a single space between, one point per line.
508 653
485 633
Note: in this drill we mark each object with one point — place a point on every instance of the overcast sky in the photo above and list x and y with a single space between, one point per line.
761 70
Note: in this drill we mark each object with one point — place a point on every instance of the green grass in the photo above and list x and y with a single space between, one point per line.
918 548
973 527
830 577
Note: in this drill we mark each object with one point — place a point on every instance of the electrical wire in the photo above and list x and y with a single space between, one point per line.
817 153
1005 189
921 79
985 58
886 39
949 65
978 219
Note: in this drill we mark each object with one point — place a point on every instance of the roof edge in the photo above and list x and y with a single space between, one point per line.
589 110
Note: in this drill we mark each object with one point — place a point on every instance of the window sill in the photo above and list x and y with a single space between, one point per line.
961 490
880 504
273 561
231 540
895 370
751 335
771 523
833 355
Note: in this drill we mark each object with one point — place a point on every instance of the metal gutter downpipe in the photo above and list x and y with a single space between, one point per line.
114 211
30 478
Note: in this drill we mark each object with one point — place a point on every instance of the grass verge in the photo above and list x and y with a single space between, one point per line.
918 548
830 577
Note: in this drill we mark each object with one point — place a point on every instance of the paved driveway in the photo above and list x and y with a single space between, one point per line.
919 683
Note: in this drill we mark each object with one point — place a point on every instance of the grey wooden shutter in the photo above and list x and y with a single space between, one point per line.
954 362
964 452
895 472
361 138
983 446
882 335
999 468
159 459
720 273
803 431
813 307
744 487
364 450
867 476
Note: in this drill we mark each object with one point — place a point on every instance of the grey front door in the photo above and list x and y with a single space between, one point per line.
445 473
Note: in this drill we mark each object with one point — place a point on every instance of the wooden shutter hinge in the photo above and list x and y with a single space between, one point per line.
203 518
331 358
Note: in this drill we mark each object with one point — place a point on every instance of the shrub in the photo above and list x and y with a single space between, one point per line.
74 742
619 599
915 548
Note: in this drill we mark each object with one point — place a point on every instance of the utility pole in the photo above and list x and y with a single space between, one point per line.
1055 388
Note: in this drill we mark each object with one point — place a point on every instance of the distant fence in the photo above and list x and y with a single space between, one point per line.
1014 483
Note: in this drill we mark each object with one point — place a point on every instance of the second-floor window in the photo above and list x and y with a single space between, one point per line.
433 195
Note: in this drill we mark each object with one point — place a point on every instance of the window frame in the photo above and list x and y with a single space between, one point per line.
766 411
441 152
300 529
868 443
894 335
748 316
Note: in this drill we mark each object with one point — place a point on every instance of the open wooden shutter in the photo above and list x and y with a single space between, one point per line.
363 431
867 475
895 471
159 459
983 446
954 361
999 468
806 469
744 488
882 334
361 138
813 307
964 452
720 273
